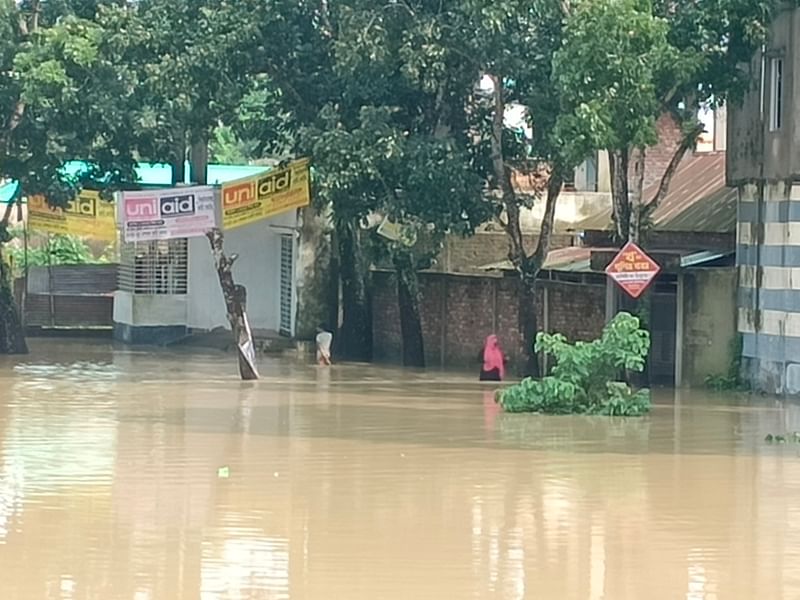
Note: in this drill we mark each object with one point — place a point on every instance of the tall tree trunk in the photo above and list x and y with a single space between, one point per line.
528 325
636 195
527 264
235 306
199 157
12 332
334 280
408 302
355 337
179 159
12 335
618 161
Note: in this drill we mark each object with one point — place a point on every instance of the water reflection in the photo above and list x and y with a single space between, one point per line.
356 482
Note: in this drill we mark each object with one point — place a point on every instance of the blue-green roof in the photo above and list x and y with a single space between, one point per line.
8 191
153 174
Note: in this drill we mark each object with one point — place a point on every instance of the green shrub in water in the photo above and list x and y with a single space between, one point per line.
585 378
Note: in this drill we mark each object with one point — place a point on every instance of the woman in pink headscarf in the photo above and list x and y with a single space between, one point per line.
494 361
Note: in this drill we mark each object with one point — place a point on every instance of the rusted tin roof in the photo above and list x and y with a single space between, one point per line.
698 200
578 259
573 258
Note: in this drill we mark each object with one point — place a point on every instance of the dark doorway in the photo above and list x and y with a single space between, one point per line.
662 318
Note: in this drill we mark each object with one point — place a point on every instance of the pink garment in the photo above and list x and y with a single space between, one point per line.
493 357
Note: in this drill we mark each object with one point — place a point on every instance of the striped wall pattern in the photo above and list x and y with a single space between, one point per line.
768 261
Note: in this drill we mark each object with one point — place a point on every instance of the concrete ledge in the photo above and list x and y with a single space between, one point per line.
157 335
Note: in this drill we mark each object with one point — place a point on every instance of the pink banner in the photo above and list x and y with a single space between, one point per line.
167 214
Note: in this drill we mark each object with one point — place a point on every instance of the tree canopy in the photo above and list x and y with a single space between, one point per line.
387 98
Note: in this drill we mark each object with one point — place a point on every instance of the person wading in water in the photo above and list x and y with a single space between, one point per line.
324 340
494 361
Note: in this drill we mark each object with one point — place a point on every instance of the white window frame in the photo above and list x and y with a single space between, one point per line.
776 84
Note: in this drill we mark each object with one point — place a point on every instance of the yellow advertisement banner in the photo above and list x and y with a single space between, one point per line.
262 196
86 215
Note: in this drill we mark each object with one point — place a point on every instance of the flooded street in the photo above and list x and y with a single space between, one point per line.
370 483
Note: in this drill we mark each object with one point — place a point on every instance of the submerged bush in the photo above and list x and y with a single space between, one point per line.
585 378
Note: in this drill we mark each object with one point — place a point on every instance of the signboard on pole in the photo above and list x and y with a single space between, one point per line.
633 270
395 232
86 215
262 196
167 214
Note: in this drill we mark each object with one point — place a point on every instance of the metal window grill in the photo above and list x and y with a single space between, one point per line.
287 268
159 267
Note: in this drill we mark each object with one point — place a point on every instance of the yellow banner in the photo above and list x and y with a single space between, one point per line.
265 195
86 215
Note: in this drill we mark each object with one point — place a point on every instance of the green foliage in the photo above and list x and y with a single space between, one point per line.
56 250
584 378
225 148
625 63
778 438
614 54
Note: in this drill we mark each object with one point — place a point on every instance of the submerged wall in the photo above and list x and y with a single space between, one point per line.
459 311
709 323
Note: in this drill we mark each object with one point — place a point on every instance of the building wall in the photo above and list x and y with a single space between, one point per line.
458 312
763 165
768 259
257 268
755 152
709 323
659 156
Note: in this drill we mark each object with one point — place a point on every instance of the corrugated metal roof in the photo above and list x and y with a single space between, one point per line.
577 259
701 258
572 259
698 200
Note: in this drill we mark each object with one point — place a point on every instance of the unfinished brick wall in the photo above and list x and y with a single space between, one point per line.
659 156
458 312
465 254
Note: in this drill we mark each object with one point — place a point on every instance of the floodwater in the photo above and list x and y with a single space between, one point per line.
140 476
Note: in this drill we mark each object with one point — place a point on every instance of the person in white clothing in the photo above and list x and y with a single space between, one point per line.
324 341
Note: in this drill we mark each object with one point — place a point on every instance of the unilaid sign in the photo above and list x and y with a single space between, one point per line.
265 195
167 214
86 215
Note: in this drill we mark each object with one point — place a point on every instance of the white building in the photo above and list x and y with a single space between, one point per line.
170 289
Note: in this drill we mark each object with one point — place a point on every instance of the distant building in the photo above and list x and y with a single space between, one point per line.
169 290
764 165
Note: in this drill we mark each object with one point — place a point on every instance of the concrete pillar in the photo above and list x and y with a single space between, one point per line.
611 299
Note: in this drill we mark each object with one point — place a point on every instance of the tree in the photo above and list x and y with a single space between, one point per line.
49 116
291 50
624 63
339 65
192 71
512 42
397 145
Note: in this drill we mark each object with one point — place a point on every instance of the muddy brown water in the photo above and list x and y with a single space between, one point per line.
362 482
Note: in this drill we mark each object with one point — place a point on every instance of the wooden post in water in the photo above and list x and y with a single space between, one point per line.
235 305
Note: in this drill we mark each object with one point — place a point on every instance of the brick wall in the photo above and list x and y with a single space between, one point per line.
659 156
461 255
458 312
